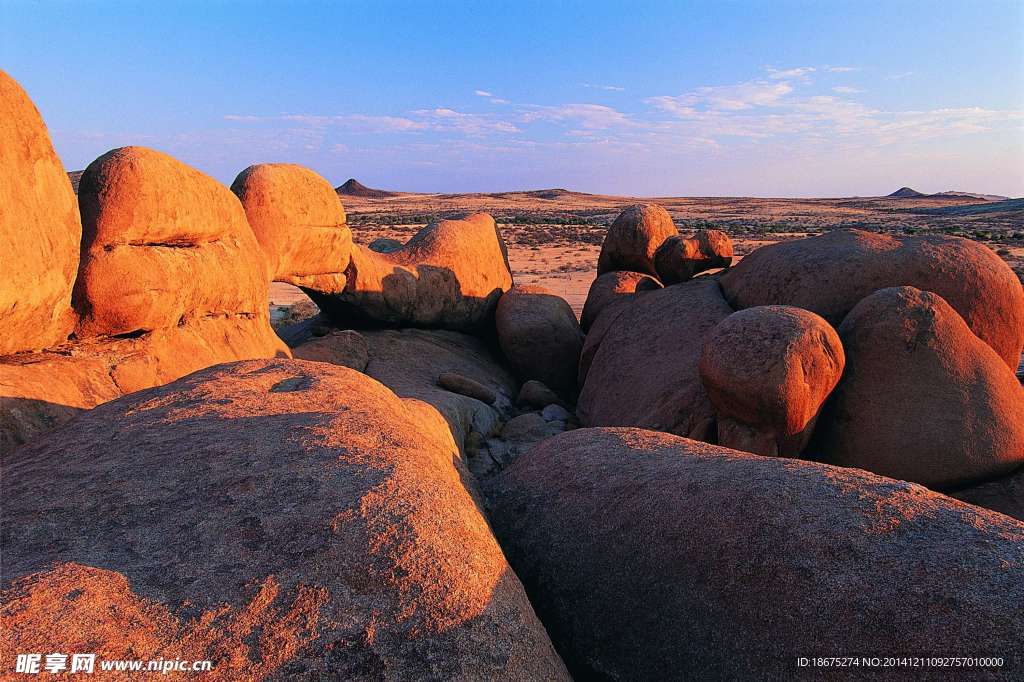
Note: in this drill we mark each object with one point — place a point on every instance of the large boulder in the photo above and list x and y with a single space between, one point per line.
40 229
653 557
283 519
679 259
767 371
450 275
299 222
611 287
539 334
643 372
1004 495
831 273
922 399
633 239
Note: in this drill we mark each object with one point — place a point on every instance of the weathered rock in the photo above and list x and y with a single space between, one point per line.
767 371
643 370
450 275
595 335
299 222
539 334
345 347
529 427
831 273
283 519
922 398
556 413
1004 495
384 245
409 361
456 383
611 287
679 259
649 556
633 239
534 393
40 230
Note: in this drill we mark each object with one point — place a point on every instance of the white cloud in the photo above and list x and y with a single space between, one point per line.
445 119
788 74
846 90
482 93
588 116
841 69
898 76
614 88
726 97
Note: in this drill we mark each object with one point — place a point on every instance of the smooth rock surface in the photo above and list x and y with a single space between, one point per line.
611 287
40 229
633 239
922 398
679 259
283 519
651 557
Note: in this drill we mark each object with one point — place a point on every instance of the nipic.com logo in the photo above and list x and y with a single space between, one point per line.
35 664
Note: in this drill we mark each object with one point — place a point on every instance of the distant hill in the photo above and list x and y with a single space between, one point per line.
354 188
1014 206
907 193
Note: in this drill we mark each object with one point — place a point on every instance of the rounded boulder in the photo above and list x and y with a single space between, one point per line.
610 287
539 334
633 239
767 371
922 399
679 259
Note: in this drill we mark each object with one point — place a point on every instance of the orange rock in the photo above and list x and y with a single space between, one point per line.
163 245
284 519
922 399
450 275
633 239
40 229
679 259
539 334
767 371
643 372
654 557
830 274
299 222
611 287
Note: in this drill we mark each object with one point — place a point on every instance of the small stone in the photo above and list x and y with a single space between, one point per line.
555 413
463 385
536 394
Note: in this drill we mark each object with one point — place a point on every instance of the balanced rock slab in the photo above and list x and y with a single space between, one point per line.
922 399
40 229
680 259
652 557
450 275
284 519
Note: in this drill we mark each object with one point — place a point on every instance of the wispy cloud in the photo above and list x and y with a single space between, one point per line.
482 93
898 76
586 116
841 69
846 90
789 74
593 86
725 97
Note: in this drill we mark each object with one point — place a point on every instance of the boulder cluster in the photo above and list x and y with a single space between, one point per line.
443 475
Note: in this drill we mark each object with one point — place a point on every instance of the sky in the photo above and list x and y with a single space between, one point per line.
722 98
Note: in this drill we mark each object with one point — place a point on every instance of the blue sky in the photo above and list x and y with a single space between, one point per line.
643 98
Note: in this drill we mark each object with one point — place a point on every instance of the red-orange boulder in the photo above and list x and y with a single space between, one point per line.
922 399
679 259
767 371
283 519
611 287
40 229
450 275
633 239
539 334
830 274
654 557
643 365
299 222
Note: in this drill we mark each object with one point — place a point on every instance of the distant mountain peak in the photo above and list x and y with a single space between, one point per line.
907 193
354 188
